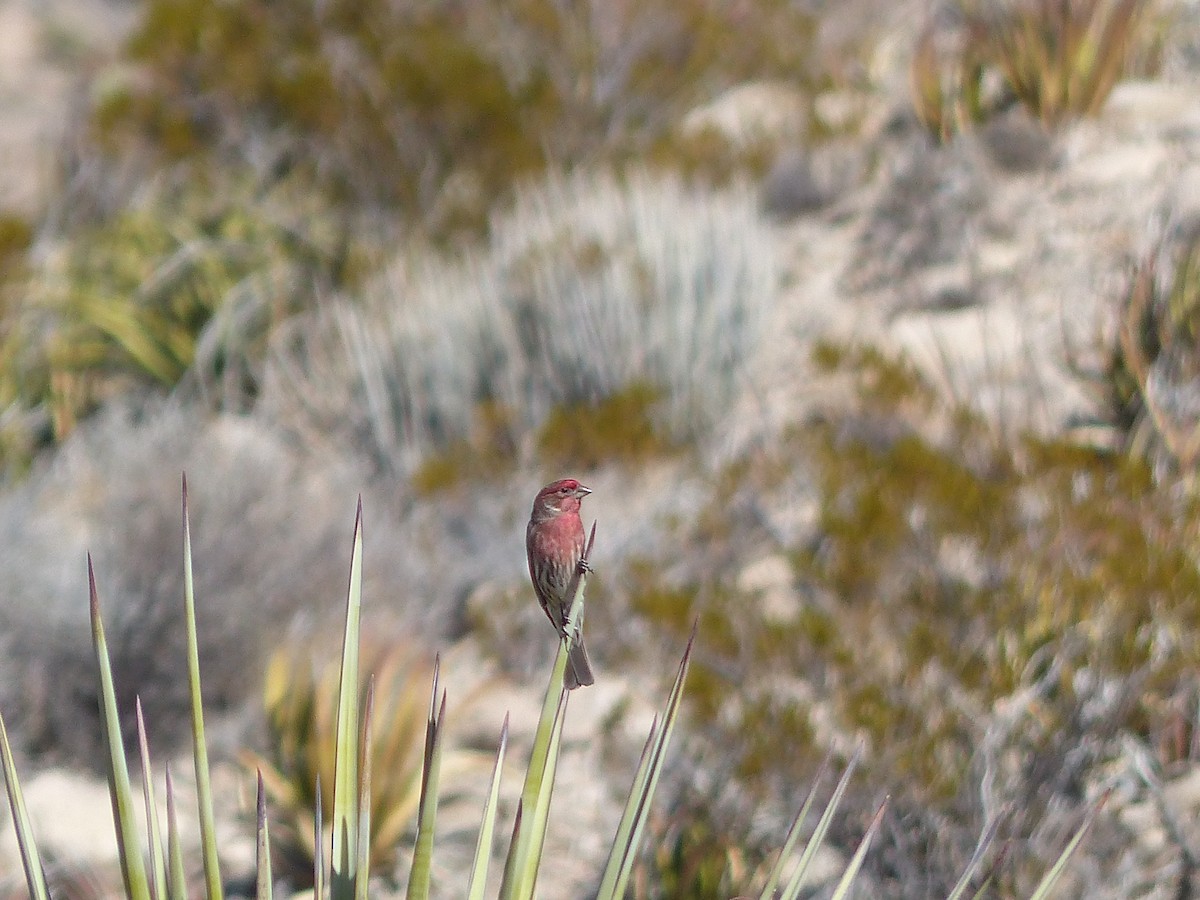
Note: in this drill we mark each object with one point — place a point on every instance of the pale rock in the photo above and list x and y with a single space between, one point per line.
72 819
750 113
772 580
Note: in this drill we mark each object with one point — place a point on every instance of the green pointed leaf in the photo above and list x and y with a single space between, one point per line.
345 773
976 860
158 868
420 876
796 882
1042 891
133 871
843 888
623 839
318 845
35 875
363 873
793 835
177 888
487 829
541 815
508 884
633 820
262 857
204 800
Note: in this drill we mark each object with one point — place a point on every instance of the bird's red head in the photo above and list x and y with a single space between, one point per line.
559 497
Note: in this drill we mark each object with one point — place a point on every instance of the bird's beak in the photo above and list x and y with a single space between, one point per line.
582 491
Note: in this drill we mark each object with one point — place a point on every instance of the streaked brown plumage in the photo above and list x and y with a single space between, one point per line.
554 542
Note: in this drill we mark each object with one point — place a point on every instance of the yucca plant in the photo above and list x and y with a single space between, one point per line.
300 695
1059 58
1153 370
344 874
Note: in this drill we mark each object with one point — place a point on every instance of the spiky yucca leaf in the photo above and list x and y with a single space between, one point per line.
31 859
300 693
176 877
419 878
133 871
208 826
487 827
1042 891
796 882
345 783
158 866
365 746
633 819
793 835
262 857
843 887
976 860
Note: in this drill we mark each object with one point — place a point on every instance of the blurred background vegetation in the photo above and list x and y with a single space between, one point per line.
435 247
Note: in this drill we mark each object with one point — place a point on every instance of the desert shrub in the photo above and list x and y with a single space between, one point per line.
383 102
188 277
592 287
967 605
121 469
1059 58
300 695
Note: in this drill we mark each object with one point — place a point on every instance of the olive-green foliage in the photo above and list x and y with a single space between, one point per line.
383 100
1060 58
16 234
489 452
691 858
619 428
945 578
189 275
300 695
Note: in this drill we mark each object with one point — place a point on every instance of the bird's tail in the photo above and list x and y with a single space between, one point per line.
579 668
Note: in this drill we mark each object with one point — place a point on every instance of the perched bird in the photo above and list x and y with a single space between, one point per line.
554 546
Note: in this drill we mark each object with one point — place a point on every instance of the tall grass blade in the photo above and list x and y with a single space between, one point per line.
345 779
633 819
1042 891
204 800
31 859
419 878
362 875
133 871
843 888
487 827
176 875
262 856
541 815
976 860
508 884
318 845
623 838
793 835
158 868
796 882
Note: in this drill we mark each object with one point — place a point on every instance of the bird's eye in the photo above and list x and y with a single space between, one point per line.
564 490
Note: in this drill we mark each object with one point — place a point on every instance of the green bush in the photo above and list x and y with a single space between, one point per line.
188 278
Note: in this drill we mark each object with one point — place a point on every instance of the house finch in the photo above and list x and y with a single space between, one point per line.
554 546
